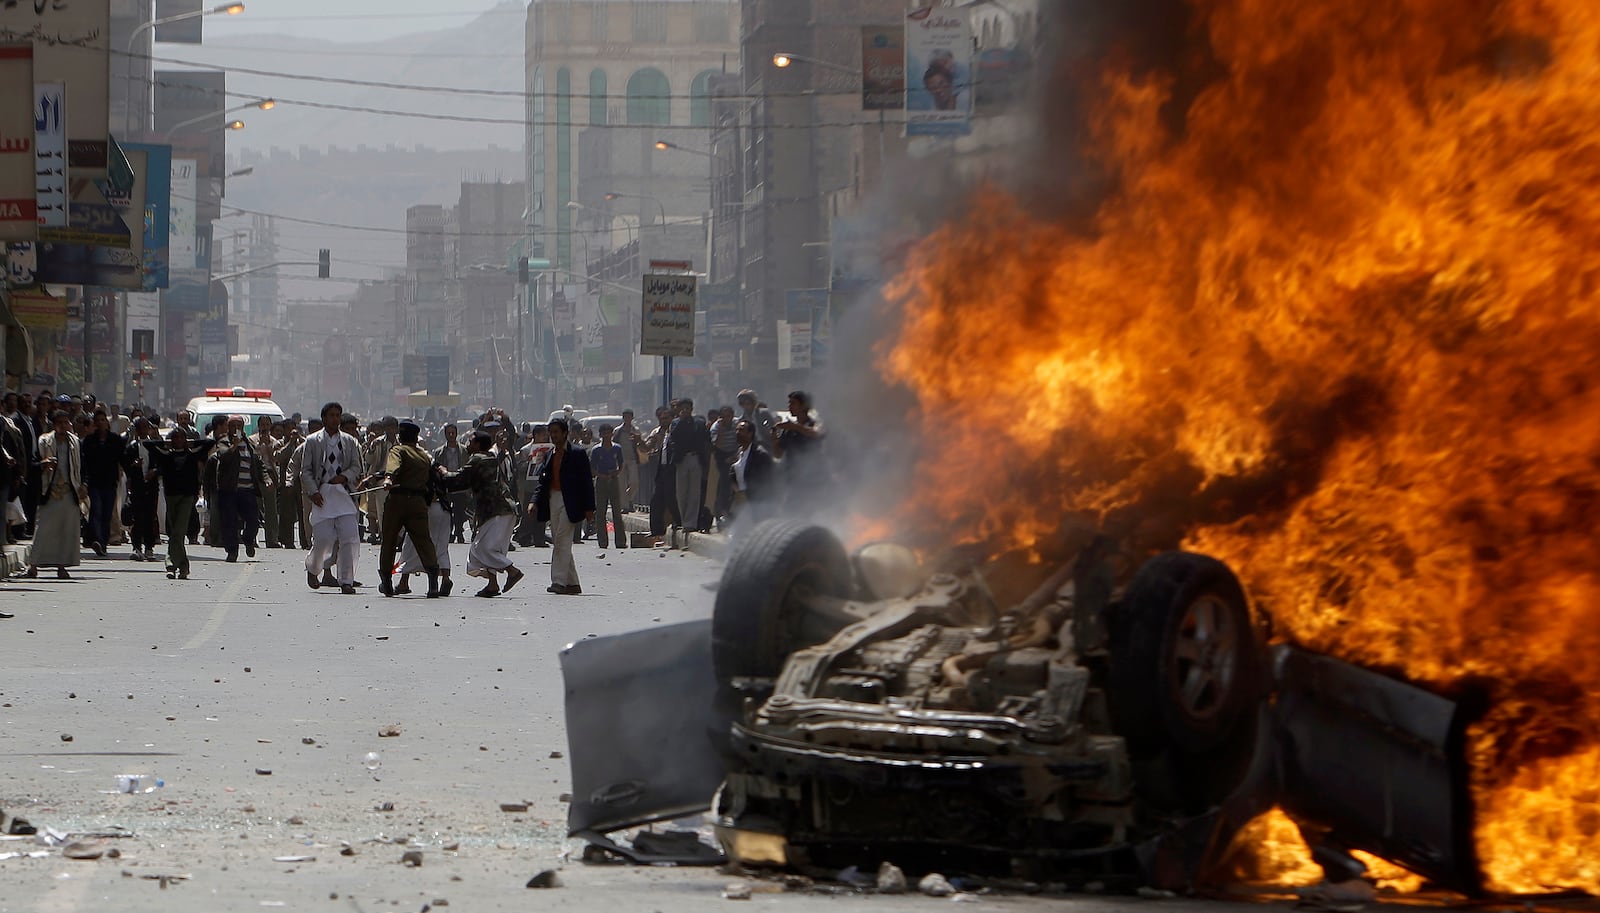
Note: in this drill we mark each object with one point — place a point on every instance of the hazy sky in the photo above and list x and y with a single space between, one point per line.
353 20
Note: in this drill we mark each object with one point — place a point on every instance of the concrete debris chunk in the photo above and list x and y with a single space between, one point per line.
80 850
935 885
736 890
546 879
1149 893
389 732
411 859
890 879
513 806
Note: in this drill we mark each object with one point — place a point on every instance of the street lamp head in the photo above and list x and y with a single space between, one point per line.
267 104
230 9
781 60
663 145
612 196
574 204
236 125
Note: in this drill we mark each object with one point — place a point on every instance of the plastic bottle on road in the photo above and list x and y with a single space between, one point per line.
139 783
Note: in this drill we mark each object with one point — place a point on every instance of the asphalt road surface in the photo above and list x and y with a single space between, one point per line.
257 701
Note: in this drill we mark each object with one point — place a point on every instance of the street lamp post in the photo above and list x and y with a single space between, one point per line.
783 60
639 196
265 104
226 9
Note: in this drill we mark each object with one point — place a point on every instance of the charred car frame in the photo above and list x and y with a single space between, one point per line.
1097 723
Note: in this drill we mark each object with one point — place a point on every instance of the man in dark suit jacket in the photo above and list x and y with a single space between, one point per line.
564 497
752 476
240 466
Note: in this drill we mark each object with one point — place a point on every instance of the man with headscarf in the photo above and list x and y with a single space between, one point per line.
493 511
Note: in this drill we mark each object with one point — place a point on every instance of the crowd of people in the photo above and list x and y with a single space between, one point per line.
78 475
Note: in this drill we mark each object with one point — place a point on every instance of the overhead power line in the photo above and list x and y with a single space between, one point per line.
508 121
531 232
520 94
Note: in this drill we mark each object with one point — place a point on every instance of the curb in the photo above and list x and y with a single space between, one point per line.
706 545
13 558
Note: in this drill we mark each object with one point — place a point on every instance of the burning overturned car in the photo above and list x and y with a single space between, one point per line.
1096 719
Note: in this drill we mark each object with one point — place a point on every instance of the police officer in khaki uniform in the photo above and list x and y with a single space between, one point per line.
406 471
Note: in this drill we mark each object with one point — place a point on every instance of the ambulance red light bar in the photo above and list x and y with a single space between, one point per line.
238 393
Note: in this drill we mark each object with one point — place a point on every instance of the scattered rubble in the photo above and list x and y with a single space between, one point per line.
513 806
546 879
890 879
736 890
389 732
935 885
411 859
80 850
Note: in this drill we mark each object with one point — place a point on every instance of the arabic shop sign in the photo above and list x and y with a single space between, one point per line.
71 47
667 316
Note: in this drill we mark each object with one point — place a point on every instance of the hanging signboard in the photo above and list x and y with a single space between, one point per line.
938 72
667 316
883 68
19 209
50 153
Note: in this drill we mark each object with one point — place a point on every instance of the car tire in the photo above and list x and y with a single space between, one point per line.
759 618
1187 670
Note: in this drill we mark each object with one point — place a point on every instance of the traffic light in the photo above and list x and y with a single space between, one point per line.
522 270
322 263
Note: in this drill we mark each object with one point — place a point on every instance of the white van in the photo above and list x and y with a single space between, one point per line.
236 401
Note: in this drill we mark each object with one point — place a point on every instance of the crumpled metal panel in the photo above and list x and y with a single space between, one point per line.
641 727
1379 763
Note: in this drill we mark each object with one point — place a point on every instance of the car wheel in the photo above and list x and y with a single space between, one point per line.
1187 670
761 614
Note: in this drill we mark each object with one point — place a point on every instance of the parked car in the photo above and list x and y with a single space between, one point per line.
847 708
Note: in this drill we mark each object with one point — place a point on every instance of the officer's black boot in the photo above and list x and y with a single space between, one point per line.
433 583
386 586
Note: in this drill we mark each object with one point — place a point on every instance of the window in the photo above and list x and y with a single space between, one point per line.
650 22
597 96
711 24
649 97
700 99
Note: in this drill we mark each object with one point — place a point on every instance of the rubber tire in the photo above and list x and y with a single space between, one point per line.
1144 627
755 624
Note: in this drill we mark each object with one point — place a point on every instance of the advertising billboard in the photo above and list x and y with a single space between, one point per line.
938 72
883 67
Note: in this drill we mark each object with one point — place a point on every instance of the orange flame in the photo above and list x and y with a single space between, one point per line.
1342 330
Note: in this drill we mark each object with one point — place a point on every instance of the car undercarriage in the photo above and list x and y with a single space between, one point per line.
846 707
